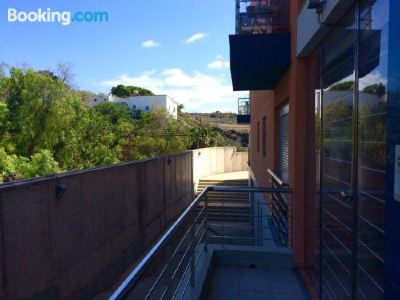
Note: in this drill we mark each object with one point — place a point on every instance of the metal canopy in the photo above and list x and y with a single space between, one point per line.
258 61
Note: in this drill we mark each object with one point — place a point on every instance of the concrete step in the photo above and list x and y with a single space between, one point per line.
227 193
228 180
229 205
233 197
201 183
215 182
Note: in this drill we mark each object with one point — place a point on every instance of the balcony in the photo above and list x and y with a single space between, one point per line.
243 116
260 49
225 244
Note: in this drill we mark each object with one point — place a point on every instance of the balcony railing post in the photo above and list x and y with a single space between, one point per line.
206 223
223 221
170 253
192 259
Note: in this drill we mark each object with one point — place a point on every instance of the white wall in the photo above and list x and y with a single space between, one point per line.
149 103
97 99
172 108
217 160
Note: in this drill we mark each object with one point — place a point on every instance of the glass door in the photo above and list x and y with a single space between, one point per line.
338 124
354 154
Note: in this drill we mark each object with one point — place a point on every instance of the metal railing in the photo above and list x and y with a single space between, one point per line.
281 210
262 16
244 106
169 267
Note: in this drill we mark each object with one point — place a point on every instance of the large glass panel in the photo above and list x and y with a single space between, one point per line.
337 184
372 107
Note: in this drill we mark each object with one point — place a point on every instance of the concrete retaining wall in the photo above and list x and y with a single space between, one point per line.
77 246
217 160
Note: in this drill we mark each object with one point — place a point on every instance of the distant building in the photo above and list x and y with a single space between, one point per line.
149 103
97 99
140 103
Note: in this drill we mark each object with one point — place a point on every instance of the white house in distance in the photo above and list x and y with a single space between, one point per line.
141 103
97 99
148 103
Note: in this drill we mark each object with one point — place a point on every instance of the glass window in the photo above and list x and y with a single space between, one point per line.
372 107
264 136
354 70
258 136
337 184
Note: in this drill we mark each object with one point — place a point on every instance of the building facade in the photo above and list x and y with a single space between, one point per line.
324 82
140 103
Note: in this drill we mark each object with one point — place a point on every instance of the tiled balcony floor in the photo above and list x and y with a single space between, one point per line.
229 282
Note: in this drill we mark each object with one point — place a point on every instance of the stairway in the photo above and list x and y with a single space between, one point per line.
234 204
228 212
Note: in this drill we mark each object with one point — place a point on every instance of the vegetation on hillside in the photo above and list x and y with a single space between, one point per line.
128 91
46 128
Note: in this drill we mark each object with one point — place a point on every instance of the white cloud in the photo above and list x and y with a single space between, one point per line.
219 64
199 92
196 37
374 77
150 44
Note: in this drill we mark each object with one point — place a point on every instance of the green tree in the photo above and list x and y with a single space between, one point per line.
13 167
180 108
378 89
45 114
157 133
342 86
204 136
128 91
120 116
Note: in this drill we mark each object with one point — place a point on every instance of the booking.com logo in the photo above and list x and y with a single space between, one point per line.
62 17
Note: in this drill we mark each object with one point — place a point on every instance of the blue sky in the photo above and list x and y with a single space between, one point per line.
144 43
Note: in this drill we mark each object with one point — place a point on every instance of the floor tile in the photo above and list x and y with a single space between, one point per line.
288 296
219 294
255 296
254 285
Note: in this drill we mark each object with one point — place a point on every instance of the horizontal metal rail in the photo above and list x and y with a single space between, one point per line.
260 190
276 178
280 208
135 275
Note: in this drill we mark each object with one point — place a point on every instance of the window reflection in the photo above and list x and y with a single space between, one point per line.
372 98
338 77
339 55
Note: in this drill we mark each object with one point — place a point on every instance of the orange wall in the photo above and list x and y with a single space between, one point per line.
266 104
296 88
262 105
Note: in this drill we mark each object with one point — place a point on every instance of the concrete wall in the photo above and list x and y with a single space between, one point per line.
217 160
77 246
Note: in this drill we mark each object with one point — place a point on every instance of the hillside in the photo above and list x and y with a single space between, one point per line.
225 124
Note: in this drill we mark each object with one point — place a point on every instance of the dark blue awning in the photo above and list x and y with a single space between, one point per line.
258 61
243 119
